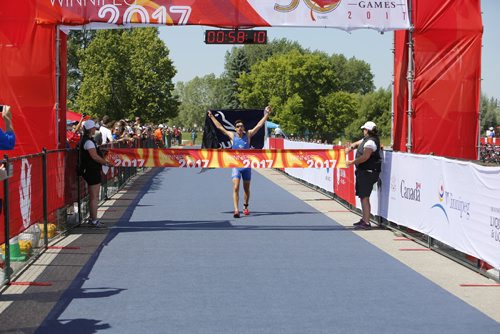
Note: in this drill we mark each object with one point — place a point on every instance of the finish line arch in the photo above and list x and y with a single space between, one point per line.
447 57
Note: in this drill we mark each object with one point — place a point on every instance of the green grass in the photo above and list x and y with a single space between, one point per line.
187 136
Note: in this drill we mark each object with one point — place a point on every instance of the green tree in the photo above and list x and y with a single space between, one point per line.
355 75
236 64
374 107
150 77
196 97
126 73
105 66
240 59
335 112
490 113
77 40
294 83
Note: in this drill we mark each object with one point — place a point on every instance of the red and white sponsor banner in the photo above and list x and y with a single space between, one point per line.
341 14
338 180
322 178
343 182
452 201
214 158
490 140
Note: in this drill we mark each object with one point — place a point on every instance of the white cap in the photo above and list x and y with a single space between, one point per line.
369 126
491 129
89 124
160 126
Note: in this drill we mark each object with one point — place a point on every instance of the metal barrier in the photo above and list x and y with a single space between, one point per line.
44 198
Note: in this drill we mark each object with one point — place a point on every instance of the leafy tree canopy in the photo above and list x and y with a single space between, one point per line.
196 97
376 107
127 73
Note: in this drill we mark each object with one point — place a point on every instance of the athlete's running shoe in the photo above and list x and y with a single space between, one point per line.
246 212
236 215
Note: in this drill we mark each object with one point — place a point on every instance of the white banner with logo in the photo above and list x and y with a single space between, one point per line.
321 177
455 202
342 14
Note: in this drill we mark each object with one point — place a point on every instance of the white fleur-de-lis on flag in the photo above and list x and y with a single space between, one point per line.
25 192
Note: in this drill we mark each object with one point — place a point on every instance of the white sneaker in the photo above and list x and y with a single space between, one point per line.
97 224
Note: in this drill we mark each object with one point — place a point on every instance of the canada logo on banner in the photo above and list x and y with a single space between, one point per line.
25 193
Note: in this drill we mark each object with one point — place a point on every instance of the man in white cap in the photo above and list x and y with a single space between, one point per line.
368 161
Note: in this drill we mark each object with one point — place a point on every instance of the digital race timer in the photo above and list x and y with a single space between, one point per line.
236 36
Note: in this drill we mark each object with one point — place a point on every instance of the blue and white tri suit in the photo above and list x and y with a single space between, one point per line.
242 143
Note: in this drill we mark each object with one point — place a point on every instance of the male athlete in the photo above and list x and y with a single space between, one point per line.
241 140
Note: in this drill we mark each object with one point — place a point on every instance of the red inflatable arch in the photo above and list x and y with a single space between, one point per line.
443 57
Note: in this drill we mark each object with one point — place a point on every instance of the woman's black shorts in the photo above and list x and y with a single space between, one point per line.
365 181
92 178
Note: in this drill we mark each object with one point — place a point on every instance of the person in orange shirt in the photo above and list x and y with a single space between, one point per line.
158 134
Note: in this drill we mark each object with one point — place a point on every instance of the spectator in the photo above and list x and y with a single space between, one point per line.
168 134
107 135
97 134
368 161
138 126
177 136
7 139
73 132
158 136
90 162
278 133
490 133
193 137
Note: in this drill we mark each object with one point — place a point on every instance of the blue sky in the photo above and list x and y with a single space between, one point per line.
193 58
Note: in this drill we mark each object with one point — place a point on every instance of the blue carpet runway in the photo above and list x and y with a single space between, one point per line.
178 262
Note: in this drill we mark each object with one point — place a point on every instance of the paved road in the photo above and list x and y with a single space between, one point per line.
178 262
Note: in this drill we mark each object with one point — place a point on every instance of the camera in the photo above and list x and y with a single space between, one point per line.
1 108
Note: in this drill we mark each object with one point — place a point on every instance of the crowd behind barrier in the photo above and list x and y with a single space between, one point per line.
450 206
489 150
44 198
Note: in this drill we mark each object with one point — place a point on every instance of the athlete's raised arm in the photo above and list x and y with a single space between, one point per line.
253 131
219 126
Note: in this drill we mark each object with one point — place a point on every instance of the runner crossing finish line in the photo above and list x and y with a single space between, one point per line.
217 158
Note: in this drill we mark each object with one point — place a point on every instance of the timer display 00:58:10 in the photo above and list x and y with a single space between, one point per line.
235 36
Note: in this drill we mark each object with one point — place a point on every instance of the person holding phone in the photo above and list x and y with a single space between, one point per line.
7 137
241 140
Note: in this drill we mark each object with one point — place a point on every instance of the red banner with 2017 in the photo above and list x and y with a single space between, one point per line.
214 158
